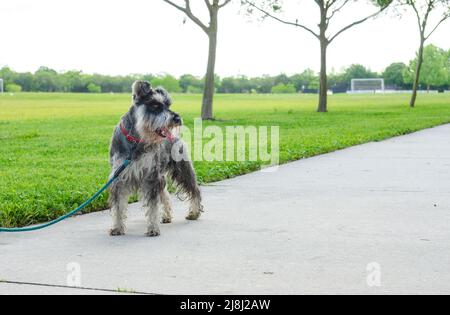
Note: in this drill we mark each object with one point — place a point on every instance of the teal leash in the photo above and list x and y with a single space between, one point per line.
68 215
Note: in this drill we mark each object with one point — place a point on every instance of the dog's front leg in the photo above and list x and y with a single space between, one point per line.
118 200
167 207
152 214
152 189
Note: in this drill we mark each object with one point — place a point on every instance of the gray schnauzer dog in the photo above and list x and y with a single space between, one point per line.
145 135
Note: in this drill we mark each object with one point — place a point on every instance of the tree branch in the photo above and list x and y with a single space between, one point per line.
446 16
224 3
208 4
357 23
333 12
176 5
187 10
419 19
329 4
427 14
280 20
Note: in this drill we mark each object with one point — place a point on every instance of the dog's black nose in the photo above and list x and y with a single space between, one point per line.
177 119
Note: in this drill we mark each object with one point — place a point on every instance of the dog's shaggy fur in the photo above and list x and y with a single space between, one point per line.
150 120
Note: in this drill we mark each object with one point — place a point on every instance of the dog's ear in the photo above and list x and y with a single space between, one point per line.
164 95
141 89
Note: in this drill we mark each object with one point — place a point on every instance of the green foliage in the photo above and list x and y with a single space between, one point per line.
263 84
382 3
48 80
308 79
282 88
447 67
55 146
356 71
240 84
170 83
94 88
194 90
393 75
435 68
13 88
191 84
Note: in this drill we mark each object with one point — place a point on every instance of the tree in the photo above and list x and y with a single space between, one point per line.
447 69
306 80
263 84
13 88
423 10
94 88
393 74
46 80
25 80
282 88
169 82
189 83
74 81
240 84
338 83
7 74
434 67
329 9
211 31
282 79
356 71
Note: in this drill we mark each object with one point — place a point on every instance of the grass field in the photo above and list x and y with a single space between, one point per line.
54 147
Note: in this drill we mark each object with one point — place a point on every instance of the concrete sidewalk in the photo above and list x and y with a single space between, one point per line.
313 226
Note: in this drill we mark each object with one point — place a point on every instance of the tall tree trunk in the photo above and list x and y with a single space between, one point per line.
323 92
418 69
208 93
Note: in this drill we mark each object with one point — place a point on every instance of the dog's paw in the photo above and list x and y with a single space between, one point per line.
166 220
116 232
153 232
193 215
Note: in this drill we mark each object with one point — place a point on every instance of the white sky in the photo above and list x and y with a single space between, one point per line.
148 36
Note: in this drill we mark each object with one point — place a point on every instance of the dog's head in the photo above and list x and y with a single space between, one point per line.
154 119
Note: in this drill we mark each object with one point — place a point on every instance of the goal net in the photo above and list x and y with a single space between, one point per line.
1 85
367 85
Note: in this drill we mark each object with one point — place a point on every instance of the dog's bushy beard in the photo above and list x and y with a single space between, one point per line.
154 127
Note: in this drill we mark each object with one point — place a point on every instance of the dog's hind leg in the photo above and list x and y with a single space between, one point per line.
151 192
183 175
167 207
118 200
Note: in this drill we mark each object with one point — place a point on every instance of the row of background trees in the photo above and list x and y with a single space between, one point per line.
399 76
430 14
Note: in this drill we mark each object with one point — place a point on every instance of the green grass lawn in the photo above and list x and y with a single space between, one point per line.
54 147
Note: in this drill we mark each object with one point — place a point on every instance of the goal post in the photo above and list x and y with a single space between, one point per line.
367 86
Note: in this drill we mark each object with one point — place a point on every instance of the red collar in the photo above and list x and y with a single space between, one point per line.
129 137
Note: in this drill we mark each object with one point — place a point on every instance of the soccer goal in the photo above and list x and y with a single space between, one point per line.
1 85
367 86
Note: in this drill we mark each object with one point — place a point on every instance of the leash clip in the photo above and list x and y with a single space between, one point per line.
122 168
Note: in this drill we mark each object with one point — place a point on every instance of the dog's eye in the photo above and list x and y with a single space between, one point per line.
156 106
